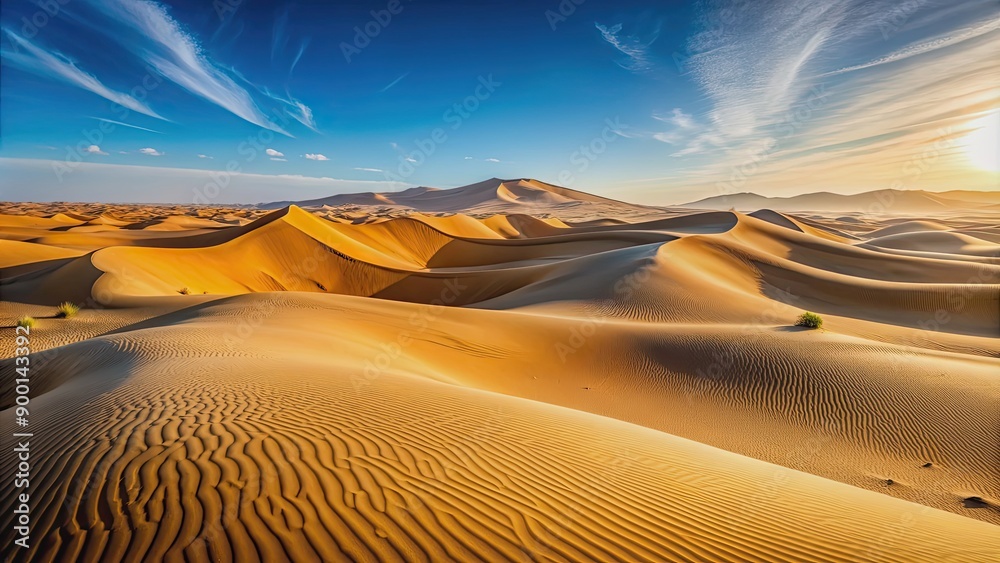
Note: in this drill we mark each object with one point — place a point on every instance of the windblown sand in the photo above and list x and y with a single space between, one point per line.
583 380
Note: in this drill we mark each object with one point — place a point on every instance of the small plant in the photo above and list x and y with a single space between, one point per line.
809 320
67 310
27 322
184 291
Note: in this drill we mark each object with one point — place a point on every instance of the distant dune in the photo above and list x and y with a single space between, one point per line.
508 371
493 195
876 202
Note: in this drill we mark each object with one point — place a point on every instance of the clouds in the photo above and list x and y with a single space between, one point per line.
280 156
147 32
129 125
824 95
370 170
920 48
636 48
178 57
48 64
117 182
394 82
684 129
678 118
94 149
150 152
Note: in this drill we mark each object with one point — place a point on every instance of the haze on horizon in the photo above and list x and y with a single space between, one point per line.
650 102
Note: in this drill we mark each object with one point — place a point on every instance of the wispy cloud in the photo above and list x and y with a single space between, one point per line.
394 82
492 160
370 169
114 182
273 153
177 56
205 156
298 56
150 152
791 105
679 118
293 108
54 65
765 61
635 48
926 46
315 157
123 124
279 33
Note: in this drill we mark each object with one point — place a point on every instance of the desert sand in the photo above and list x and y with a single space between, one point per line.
507 371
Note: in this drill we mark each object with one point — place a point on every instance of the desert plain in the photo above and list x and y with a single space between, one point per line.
508 371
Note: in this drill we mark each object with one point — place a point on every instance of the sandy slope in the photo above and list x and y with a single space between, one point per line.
519 195
358 384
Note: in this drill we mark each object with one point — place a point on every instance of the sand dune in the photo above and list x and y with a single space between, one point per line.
493 195
506 371
876 202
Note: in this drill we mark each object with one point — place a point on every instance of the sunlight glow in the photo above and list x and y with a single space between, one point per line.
982 144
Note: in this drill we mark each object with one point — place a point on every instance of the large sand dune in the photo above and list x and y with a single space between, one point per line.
362 382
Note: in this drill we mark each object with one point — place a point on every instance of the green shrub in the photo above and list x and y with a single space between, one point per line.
27 322
67 310
809 320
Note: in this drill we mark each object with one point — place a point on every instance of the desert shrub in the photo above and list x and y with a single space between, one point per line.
27 322
809 320
67 310
184 291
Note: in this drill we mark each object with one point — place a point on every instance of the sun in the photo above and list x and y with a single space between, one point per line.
982 143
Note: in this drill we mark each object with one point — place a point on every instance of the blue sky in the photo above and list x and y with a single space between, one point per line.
655 102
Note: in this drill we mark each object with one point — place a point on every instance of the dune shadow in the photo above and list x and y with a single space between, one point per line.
975 502
793 328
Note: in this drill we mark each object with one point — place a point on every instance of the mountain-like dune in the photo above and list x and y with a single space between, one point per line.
421 381
879 202
493 195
